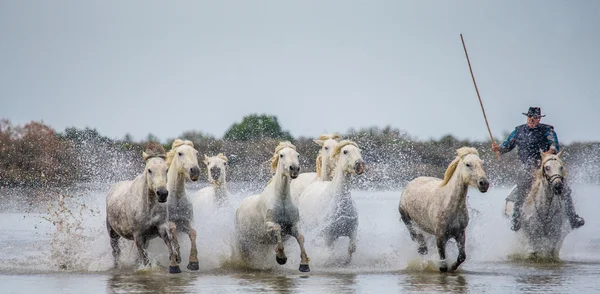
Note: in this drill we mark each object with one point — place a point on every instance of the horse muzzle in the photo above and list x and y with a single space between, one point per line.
483 185
359 167
294 171
162 194
558 187
215 173
194 173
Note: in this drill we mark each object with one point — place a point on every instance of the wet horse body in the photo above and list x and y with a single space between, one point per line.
136 210
271 217
438 207
544 219
328 205
183 165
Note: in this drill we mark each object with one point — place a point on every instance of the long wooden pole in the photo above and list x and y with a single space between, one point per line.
478 96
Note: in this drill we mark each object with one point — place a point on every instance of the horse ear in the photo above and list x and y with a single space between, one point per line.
559 153
145 155
320 142
205 160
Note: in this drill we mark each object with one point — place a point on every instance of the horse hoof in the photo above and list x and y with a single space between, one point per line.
193 266
422 250
304 268
281 261
174 269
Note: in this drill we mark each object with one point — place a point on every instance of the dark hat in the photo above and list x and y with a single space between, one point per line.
534 111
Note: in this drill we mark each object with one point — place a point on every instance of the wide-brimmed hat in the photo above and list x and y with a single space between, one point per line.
534 111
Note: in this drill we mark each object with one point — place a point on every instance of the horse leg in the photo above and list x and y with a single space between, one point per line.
170 238
351 245
114 243
303 257
416 237
193 264
462 255
441 244
141 244
275 229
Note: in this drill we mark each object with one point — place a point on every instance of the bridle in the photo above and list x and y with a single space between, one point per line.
552 178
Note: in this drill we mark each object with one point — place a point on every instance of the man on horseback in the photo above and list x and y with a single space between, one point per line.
530 138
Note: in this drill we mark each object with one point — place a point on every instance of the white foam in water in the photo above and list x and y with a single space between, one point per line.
383 244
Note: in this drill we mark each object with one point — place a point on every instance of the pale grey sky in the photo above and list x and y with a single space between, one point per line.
164 67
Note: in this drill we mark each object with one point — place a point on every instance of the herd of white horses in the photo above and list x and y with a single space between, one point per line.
155 203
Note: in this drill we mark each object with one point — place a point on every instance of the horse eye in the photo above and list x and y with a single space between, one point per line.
180 154
547 168
326 148
468 165
167 170
280 155
149 171
345 151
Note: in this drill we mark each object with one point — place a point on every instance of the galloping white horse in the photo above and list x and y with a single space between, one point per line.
544 218
324 166
136 210
328 204
439 207
217 194
271 217
183 165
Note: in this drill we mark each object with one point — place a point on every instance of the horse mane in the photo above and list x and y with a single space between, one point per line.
330 136
223 157
275 157
319 163
460 154
174 145
339 146
154 149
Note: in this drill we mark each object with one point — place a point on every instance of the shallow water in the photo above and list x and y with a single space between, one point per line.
35 259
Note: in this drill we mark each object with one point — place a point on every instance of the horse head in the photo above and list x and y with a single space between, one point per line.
155 173
184 157
471 167
347 156
215 165
327 143
286 160
552 169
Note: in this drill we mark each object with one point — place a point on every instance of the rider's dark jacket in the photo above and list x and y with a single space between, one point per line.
530 141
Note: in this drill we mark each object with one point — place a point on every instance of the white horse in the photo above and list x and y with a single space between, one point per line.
182 160
136 210
324 166
439 207
544 218
271 217
329 205
216 195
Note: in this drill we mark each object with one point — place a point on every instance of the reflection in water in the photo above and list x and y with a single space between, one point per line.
150 282
269 282
434 282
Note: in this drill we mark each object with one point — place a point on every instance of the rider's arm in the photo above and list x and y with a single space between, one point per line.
552 141
510 142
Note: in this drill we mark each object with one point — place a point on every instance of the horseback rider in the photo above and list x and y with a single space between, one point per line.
530 138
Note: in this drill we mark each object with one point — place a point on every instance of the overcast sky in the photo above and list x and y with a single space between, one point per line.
165 67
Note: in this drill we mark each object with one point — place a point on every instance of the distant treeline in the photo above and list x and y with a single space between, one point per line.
35 155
